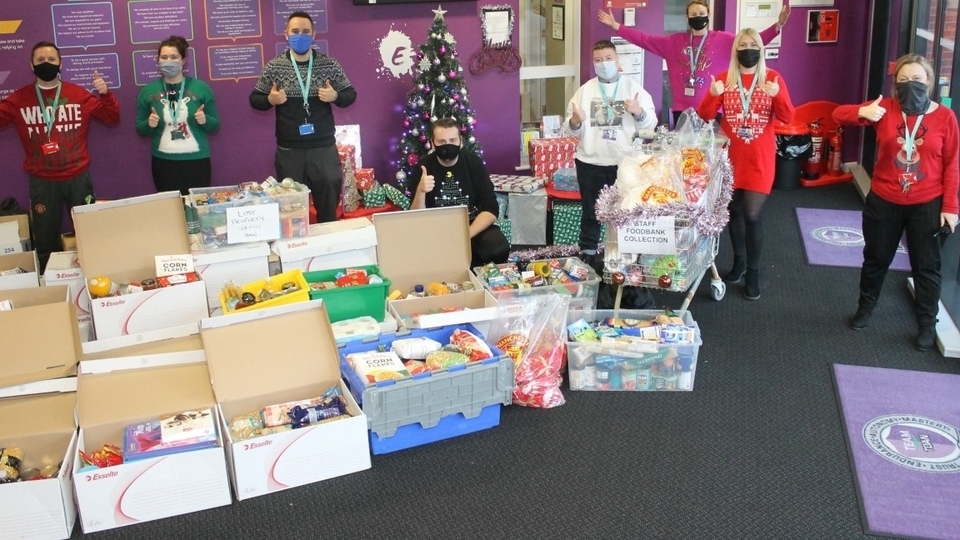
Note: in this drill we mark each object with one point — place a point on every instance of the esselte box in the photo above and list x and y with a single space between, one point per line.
633 366
478 307
39 419
22 242
37 403
432 406
63 268
240 264
350 302
421 246
120 240
337 244
298 342
26 261
220 221
117 392
39 336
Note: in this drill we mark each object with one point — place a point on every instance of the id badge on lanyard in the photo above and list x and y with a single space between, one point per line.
690 89
50 147
306 128
909 176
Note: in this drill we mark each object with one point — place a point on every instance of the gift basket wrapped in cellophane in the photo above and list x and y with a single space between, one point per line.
684 176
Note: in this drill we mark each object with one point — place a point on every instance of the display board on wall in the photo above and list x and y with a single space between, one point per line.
631 59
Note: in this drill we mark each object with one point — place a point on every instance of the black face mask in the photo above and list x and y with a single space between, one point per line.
913 97
698 23
748 57
46 71
447 152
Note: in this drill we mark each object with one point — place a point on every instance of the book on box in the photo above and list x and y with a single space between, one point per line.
376 366
144 440
187 425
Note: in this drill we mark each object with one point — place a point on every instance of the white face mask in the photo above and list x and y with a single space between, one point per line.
606 70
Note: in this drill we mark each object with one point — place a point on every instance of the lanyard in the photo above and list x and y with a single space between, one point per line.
304 86
49 118
909 137
746 97
176 108
695 58
608 103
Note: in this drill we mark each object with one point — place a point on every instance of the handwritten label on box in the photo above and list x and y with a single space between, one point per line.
257 223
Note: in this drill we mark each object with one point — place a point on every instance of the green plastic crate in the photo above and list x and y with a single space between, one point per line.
349 302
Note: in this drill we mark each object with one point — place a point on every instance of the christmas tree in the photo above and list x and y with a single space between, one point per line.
439 92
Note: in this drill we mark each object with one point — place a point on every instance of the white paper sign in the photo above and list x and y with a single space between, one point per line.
650 237
258 223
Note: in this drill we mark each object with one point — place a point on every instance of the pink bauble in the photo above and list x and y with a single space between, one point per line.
423 138
443 49
412 159
452 74
406 123
456 97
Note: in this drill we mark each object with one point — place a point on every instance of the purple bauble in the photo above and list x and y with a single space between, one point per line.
443 49
423 138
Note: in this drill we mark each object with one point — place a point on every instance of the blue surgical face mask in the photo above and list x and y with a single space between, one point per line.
300 43
606 70
170 68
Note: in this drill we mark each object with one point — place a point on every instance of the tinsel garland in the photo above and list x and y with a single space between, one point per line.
709 221
547 252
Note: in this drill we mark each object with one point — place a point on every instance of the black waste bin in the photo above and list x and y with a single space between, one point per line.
793 144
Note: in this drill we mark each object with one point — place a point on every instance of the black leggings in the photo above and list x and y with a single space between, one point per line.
746 230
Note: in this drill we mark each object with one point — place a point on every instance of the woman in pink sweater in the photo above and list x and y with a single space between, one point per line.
913 190
693 56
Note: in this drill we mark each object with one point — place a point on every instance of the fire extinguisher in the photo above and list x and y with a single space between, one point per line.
835 167
811 169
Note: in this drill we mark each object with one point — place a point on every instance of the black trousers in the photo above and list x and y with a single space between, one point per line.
319 170
489 246
180 175
46 210
883 225
592 178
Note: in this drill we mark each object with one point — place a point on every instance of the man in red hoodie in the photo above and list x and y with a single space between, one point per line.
52 118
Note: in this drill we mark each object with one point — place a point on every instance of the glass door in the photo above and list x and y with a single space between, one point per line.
549 48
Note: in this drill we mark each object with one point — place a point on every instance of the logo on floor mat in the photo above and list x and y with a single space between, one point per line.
915 442
838 236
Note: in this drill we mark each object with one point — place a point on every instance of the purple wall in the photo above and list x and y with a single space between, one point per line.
244 147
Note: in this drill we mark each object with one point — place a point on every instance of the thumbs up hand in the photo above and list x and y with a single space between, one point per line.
873 111
200 116
277 96
772 88
716 87
633 105
576 116
426 181
326 93
99 84
154 119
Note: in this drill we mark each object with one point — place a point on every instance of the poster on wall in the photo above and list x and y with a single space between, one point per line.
621 4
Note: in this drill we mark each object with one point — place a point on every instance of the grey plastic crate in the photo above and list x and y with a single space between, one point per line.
464 390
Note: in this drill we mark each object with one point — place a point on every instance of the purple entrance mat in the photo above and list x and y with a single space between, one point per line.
835 238
904 443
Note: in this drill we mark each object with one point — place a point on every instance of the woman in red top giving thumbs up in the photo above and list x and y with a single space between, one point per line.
177 113
751 95
913 190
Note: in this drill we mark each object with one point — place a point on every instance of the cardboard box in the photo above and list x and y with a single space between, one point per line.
22 243
420 246
26 260
240 264
480 307
298 341
432 406
638 366
69 241
40 337
39 418
338 244
63 268
116 392
120 239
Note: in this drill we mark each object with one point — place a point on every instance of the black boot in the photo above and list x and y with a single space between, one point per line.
926 338
752 288
736 273
860 319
